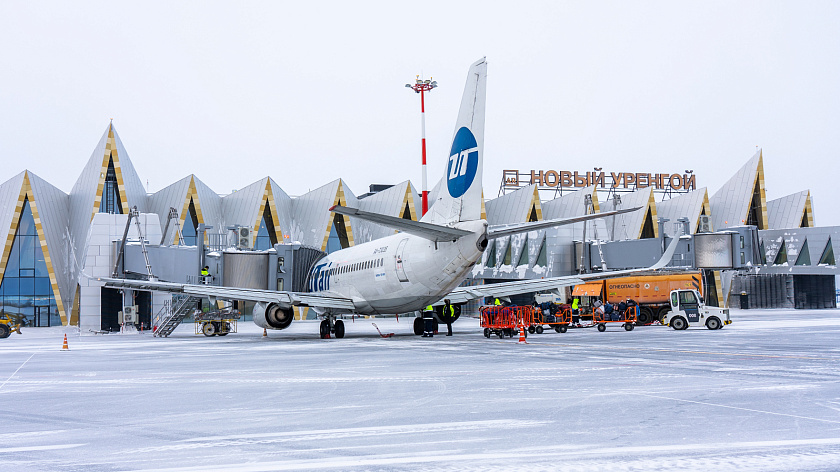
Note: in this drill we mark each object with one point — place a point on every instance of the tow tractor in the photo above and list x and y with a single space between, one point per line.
9 323
687 308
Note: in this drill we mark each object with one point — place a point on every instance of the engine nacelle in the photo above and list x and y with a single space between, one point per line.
271 315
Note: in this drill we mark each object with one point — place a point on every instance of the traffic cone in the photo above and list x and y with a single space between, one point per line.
522 334
265 332
65 347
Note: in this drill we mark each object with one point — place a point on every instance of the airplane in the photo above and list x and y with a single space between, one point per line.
421 265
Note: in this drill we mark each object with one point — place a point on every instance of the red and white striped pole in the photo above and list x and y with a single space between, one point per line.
421 87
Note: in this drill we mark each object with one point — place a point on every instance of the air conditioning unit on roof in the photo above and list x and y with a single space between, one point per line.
243 238
704 225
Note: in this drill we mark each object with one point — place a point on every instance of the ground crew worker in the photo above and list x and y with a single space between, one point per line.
428 322
205 275
497 302
448 316
575 305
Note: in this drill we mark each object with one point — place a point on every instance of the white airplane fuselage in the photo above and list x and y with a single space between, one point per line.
399 273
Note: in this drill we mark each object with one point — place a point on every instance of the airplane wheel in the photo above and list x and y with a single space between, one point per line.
713 323
562 329
628 326
679 323
602 327
539 330
325 329
486 332
418 326
339 329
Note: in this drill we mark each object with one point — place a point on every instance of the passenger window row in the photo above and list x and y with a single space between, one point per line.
373 263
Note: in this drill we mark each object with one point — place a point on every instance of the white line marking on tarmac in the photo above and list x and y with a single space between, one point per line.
16 371
738 408
440 457
50 447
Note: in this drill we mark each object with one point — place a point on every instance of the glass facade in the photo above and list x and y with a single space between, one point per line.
190 230
26 288
266 237
263 241
333 243
111 192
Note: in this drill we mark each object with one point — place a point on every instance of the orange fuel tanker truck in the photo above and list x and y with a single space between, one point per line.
651 292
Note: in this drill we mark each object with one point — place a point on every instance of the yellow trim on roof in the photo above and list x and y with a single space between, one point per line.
339 200
110 153
268 198
27 193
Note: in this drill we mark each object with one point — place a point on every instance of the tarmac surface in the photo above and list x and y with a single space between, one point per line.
759 395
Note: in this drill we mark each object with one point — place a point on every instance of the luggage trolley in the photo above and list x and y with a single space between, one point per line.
627 318
506 320
560 320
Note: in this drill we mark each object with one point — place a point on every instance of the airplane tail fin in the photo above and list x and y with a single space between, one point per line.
459 193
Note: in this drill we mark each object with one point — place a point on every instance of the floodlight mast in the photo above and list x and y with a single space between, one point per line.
421 87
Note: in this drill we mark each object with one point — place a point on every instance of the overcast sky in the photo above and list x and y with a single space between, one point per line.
308 92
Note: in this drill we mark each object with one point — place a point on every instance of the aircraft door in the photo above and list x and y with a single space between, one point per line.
399 262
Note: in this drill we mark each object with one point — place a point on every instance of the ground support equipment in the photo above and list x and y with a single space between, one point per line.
9 323
560 321
505 320
216 323
626 318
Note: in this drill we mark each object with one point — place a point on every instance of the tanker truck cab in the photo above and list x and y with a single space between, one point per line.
687 308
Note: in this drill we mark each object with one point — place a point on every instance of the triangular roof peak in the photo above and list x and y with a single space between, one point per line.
25 194
742 199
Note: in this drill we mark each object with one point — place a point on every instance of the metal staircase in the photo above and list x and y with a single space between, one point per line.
172 314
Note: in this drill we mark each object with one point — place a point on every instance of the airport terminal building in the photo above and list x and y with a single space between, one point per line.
57 243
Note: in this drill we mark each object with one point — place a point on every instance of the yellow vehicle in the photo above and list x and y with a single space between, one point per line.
9 323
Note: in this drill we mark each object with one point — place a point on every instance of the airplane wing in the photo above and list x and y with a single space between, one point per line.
506 289
499 231
437 233
284 299
428 231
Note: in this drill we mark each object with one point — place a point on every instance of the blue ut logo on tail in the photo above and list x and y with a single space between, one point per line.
463 162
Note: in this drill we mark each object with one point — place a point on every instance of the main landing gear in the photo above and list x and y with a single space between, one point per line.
332 325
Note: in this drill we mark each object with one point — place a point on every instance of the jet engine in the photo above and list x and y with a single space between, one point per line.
272 316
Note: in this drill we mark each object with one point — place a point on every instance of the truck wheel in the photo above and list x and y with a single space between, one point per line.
539 329
5 331
660 315
602 327
645 315
679 323
418 326
713 323
562 329
486 332
531 329
501 334
628 326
